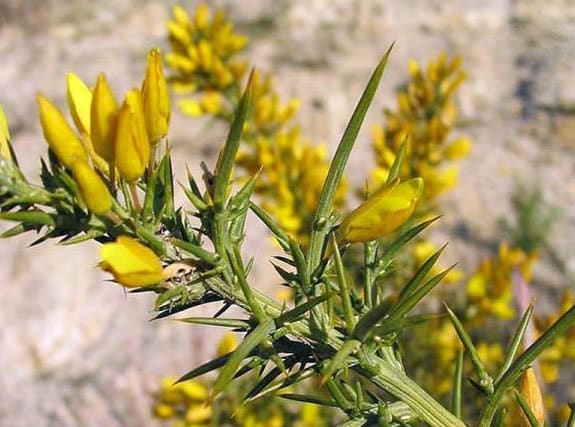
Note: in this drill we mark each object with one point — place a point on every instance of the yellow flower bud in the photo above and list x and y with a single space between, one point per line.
155 98
132 147
386 210
190 107
531 392
131 263
103 113
4 137
202 16
92 188
62 140
79 102
194 390
164 411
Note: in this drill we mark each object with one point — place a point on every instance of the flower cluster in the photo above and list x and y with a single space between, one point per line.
489 290
204 65
425 116
110 138
202 58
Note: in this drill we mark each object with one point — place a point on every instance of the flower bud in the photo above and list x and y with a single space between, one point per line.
155 98
92 188
4 137
79 102
62 140
227 344
104 114
531 392
131 263
386 210
132 147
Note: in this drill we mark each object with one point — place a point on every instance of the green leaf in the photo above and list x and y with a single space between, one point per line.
338 361
338 163
457 385
516 341
296 312
29 217
210 366
411 287
308 399
399 242
227 156
272 226
196 251
250 342
226 323
485 381
397 162
348 313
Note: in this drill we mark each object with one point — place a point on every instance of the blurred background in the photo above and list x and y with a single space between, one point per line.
76 351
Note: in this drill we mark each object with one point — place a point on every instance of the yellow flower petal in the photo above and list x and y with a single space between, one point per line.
131 263
387 210
458 149
227 344
79 102
155 98
62 140
103 113
132 147
92 188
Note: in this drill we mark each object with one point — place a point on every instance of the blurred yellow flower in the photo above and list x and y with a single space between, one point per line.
531 391
227 344
131 263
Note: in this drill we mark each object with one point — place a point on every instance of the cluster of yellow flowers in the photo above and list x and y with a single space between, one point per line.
187 404
490 291
202 58
110 138
425 116
205 67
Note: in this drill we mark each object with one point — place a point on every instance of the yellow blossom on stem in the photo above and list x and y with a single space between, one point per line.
155 98
79 103
386 210
131 263
62 140
93 190
132 147
4 137
103 113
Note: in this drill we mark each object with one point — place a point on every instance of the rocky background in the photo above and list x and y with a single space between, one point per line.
75 351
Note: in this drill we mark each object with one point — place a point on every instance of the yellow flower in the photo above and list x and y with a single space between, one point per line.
79 102
4 137
155 98
131 263
199 413
92 188
103 113
385 211
457 149
132 147
62 140
227 344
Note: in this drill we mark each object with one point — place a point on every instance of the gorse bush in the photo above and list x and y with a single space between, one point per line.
349 345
